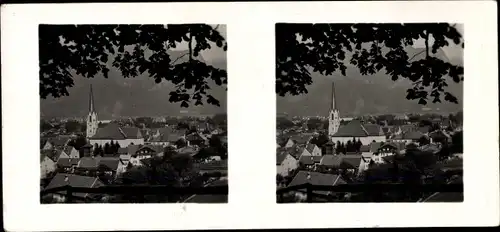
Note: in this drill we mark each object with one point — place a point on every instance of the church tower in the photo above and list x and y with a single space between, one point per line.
92 122
333 117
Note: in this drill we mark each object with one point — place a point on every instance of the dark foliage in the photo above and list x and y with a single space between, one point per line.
375 47
86 49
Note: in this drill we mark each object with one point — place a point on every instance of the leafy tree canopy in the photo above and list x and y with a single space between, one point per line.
86 50
323 48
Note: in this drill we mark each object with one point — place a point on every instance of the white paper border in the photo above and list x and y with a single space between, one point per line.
251 122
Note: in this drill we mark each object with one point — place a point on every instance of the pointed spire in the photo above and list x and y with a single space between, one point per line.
334 101
91 100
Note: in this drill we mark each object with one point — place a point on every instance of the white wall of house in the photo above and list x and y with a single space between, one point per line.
74 154
289 143
378 158
159 143
364 140
47 146
288 164
316 151
123 142
47 166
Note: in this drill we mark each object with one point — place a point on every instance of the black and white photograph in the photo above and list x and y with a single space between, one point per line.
133 113
369 112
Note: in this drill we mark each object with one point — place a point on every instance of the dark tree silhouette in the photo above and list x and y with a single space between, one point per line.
302 48
180 143
284 123
86 50
423 140
77 143
321 140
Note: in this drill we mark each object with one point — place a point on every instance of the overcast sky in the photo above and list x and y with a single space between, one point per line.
452 51
213 53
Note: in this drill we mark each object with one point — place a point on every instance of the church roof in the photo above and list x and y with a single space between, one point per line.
356 129
115 132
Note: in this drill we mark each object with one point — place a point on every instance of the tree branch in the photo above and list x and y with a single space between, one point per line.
216 27
415 55
179 58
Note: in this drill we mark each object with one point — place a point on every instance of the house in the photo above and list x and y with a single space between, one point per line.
166 136
352 163
64 179
124 136
315 178
111 165
302 151
386 149
93 165
330 161
408 137
148 151
69 152
309 161
67 165
58 142
313 149
285 163
197 139
439 136
366 133
47 165
213 167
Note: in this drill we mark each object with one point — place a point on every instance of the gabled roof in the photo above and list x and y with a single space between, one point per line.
351 161
281 156
63 179
59 141
110 162
316 178
67 162
152 148
301 139
310 147
357 129
309 160
331 160
68 149
131 149
413 135
115 132
393 145
88 163
51 154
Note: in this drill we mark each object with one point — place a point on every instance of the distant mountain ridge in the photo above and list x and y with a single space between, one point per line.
140 96
371 94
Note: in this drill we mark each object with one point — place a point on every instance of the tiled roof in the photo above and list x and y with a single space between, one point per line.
213 165
396 146
301 139
373 129
316 178
59 140
62 179
51 154
68 150
67 162
187 150
310 147
351 161
331 160
280 157
88 163
110 162
152 148
309 160
132 149
413 135
115 132
356 129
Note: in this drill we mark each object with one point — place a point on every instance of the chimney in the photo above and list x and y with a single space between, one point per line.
66 178
308 176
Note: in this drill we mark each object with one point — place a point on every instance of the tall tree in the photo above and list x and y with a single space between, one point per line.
86 49
323 48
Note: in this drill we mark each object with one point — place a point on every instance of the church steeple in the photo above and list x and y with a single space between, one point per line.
91 100
333 117
334 100
92 122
